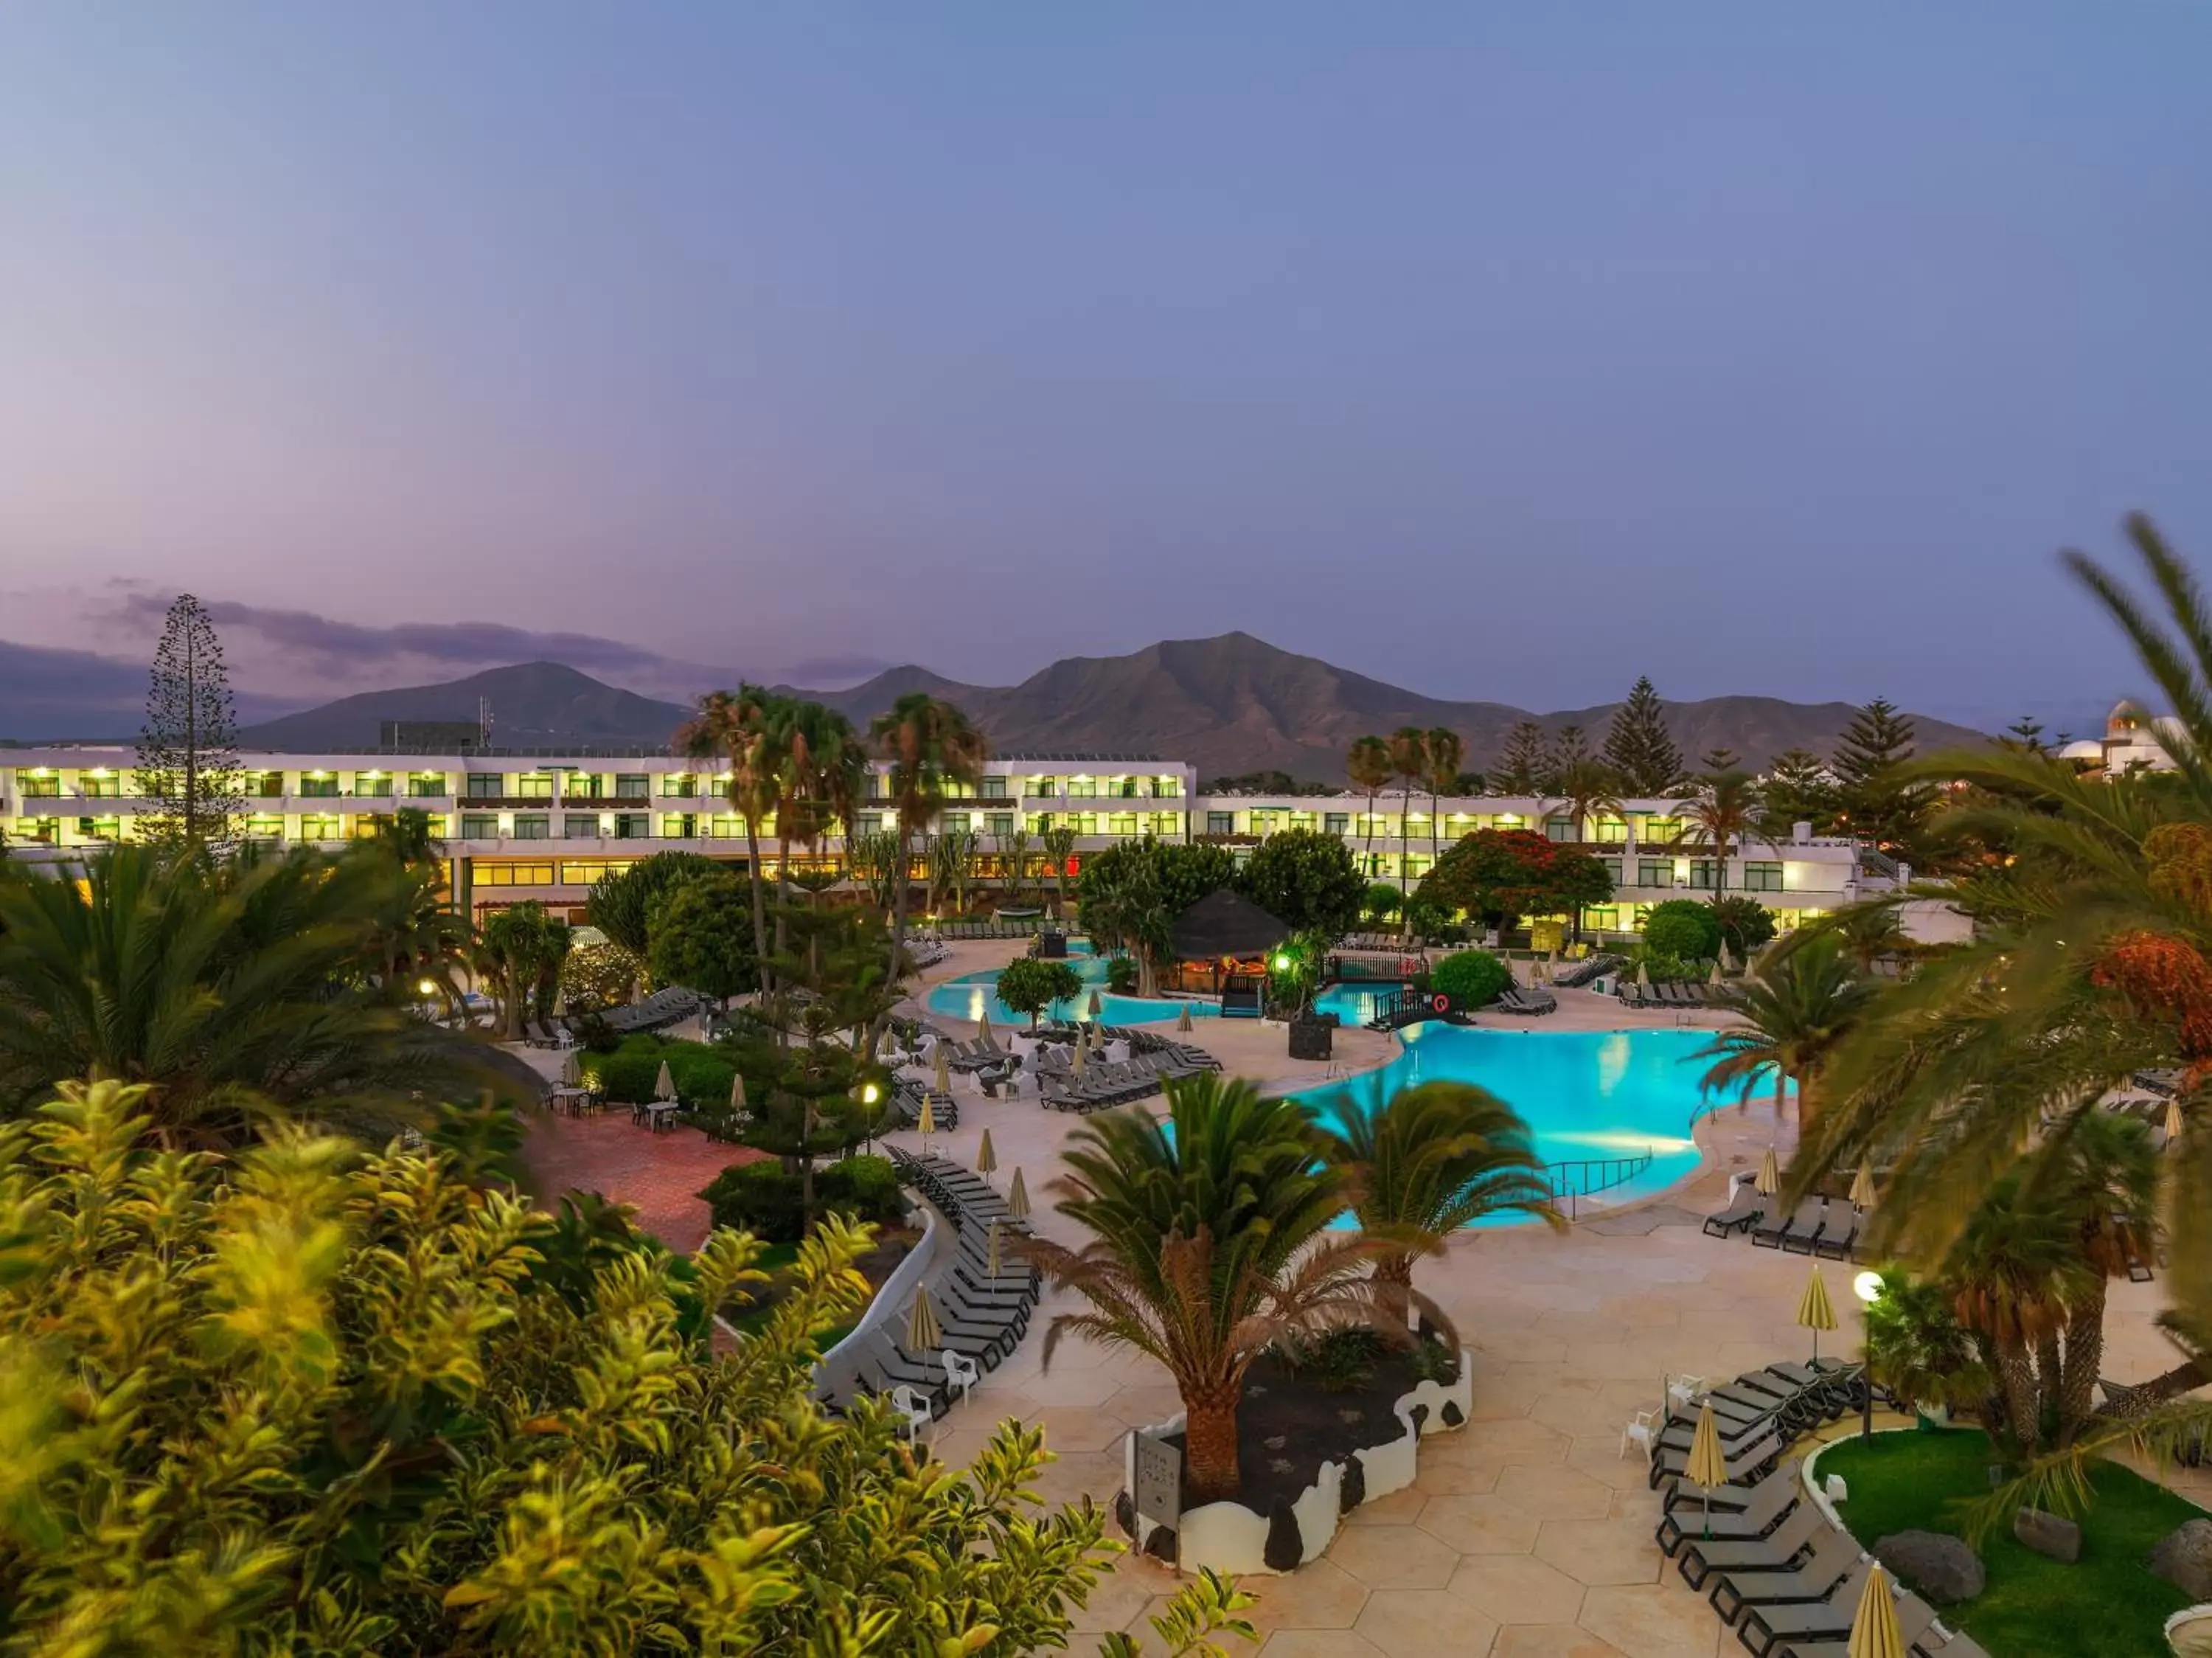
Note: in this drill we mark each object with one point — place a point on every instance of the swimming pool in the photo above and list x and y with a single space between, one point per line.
971 998
1584 1094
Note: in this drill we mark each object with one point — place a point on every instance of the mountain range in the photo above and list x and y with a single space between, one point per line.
1226 705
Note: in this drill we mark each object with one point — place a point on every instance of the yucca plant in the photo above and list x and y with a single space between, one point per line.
1209 1242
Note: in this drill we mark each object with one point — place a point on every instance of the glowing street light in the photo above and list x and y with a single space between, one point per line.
428 987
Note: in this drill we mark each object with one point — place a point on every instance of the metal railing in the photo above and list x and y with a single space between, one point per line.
1584 1177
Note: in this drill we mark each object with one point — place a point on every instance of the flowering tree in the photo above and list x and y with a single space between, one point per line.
1503 874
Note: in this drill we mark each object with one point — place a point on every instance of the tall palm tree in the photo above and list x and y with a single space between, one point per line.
1368 764
729 728
1719 818
1058 844
237 989
2103 1179
1587 786
820 768
1426 1162
1409 764
929 744
1443 752
1803 999
2013 1272
1209 1241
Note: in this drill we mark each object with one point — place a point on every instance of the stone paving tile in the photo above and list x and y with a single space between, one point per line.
1480 1524
1655 1620
1319 1643
1517 1589
1599 1551
1551 1640
1395 1557
1422 1623
1555 1493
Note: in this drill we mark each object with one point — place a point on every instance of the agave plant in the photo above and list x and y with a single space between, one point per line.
1209 1242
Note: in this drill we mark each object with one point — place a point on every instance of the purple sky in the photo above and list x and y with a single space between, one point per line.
1499 351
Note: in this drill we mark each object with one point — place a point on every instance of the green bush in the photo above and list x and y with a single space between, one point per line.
759 1198
867 1188
1385 900
1658 965
702 1074
1033 983
1745 925
1474 976
1685 928
1122 975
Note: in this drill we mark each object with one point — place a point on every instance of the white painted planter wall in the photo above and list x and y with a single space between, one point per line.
1231 1537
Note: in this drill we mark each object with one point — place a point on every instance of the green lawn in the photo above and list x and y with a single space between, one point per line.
2108 1606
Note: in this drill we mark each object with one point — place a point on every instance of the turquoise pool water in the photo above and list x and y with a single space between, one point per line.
969 998
1583 1093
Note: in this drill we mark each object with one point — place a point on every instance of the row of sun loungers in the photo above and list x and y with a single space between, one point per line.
943 1109
1101 1086
925 951
1769 1561
983 1315
1826 1227
1670 995
1579 973
1530 1002
663 1008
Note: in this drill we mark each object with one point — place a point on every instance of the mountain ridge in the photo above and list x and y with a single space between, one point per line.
1230 704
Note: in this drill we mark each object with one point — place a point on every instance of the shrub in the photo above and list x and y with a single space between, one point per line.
1474 976
757 1198
1683 927
600 975
865 1188
1383 901
1658 965
1122 975
1033 983
627 1076
1745 924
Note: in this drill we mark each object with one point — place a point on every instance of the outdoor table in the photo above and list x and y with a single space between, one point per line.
569 1097
659 1113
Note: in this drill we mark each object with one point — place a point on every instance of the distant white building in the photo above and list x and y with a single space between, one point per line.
2131 741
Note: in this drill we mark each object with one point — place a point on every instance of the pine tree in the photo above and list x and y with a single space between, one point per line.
1639 747
1799 789
188 747
1569 750
1876 808
1525 761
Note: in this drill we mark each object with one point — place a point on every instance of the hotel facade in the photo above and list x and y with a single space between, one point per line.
528 824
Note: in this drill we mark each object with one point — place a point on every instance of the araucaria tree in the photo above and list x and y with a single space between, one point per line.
1879 804
188 747
1638 745
1524 762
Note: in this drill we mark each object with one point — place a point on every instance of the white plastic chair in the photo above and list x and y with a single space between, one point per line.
1643 1432
915 1408
961 1374
1685 1390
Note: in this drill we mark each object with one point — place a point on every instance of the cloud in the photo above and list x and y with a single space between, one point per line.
836 670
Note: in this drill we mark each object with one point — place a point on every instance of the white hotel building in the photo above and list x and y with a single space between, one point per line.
518 824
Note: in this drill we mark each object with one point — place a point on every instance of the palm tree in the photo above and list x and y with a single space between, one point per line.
1059 846
1409 764
1443 752
1802 1000
1209 1242
1368 766
236 990
519 949
1430 1160
1589 787
2104 1181
729 728
821 769
929 743
1719 818
2015 1270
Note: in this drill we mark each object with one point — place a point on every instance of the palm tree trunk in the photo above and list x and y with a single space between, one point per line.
2016 1380
898 902
760 903
2085 1355
1394 1286
1210 1442
2047 1371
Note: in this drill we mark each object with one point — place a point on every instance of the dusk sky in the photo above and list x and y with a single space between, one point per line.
1499 351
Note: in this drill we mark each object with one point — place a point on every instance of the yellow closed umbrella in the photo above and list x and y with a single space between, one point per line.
1095 1007
737 1090
1707 1469
1768 1180
572 1069
1182 1019
1814 1311
923 1332
2173 1120
1642 976
983 1025
995 1267
985 1159
1862 1188
664 1085
1018 1198
1081 1049
944 1069
927 1123
1874 1633
1715 976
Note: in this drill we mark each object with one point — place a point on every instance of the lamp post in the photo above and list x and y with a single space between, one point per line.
1867 1286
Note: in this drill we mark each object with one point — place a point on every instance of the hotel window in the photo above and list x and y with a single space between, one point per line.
439 824
633 825
1762 877
534 785
33 787
580 826
372 787
680 826
1612 867
1416 865
1220 823
1655 872
1302 821
107 787
319 826
1122 823
1124 789
96 828
1336 823
994 788
1559 828
1083 789
1167 788
953 823
632 786
1087 823
1612 829
514 874
324 787
583 875
265 826
1167 823
266 785
428 785
1701 875
678 785
43 832
1601 918
1001 823
534 826
1044 785
367 826
1657 828
479 825
1265 823
486 785
724 826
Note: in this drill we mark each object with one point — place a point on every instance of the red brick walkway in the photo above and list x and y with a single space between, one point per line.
658 1175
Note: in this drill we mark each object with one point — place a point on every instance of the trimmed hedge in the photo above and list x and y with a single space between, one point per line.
1683 927
1474 976
702 1074
761 1198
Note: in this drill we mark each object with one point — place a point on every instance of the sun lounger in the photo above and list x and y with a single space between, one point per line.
1738 1513
1776 1229
1801 1241
1779 1550
1832 1555
1765 1628
1742 1212
1840 1235
1733 1430
1747 1464
1915 1618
